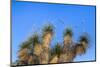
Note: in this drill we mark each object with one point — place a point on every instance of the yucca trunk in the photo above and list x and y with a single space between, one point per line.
22 52
79 50
44 57
23 60
37 49
66 57
30 60
68 53
45 47
23 56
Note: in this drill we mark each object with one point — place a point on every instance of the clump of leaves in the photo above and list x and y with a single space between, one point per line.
68 31
48 29
84 38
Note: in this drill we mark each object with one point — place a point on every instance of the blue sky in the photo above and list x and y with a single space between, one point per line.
30 17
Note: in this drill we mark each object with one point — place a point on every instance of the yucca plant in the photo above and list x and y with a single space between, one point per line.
84 41
68 52
36 44
67 36
35 48
47 35
46 39
82 46
23 53
36 51
29 48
